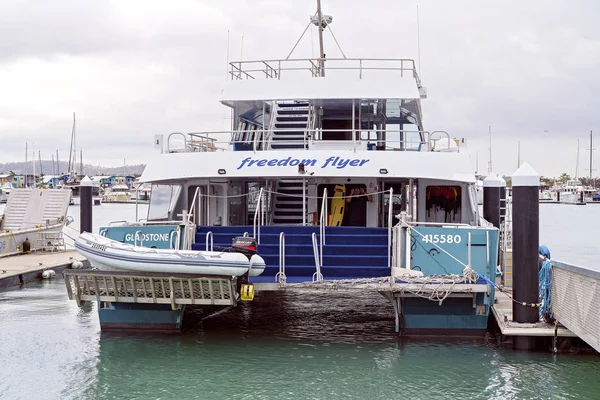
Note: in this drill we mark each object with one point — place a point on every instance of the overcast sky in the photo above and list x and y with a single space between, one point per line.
134 68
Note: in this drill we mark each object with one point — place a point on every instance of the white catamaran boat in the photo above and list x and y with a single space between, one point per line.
330 169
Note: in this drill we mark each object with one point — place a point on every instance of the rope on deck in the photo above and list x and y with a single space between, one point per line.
432 287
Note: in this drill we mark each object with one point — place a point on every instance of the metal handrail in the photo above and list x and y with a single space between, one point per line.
176 245
390 221
245 69
258 215
222 140
192 212
323 217
318 276
469 249
280 276
138 234
185 143
209 234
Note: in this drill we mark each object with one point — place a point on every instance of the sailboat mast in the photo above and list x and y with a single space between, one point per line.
577 161
321 51
490 164
591 158
72 152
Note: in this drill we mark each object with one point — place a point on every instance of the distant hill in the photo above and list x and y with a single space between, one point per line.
47 169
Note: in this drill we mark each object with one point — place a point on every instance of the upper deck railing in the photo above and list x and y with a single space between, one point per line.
276 69
260 140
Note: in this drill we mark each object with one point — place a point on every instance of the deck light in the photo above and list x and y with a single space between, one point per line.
383 171
301 169
221 171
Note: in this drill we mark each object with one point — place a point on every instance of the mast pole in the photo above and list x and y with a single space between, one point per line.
591 158
490 164
577 161
321 52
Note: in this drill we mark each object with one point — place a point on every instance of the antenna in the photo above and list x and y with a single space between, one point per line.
519 155
242 49
419 40
227 65
477 163
490 164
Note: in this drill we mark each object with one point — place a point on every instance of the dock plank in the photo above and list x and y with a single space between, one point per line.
502 312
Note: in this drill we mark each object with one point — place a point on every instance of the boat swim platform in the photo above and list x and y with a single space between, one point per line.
19 269
502 312
176 290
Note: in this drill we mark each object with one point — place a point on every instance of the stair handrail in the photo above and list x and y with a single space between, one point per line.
138 235
258 215
280 276
323 217
318 276
390 230
209 234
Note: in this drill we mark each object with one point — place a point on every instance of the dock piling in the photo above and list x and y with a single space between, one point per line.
526 212
491 198
85 209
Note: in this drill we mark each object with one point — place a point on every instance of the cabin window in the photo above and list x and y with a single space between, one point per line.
443 204
162 201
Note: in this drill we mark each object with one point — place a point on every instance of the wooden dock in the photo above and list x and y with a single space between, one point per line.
20 269
502 312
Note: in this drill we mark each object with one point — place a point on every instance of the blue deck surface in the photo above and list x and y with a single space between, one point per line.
349 252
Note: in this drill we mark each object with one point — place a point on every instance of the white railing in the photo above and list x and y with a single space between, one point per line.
257 140
177 235
258 216
317 276
209 234
138 236
323 217
273 69
390 222
280 276
469 249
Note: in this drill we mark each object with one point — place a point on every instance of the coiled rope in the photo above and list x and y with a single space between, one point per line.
545 294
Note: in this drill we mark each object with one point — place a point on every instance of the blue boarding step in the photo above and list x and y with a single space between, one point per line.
349 252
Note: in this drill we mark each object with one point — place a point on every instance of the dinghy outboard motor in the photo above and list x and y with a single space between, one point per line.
244 245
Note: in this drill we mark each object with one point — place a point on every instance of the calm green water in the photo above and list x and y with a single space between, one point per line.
278 347
281 346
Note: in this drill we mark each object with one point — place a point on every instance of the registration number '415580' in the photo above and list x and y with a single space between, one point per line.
436 238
